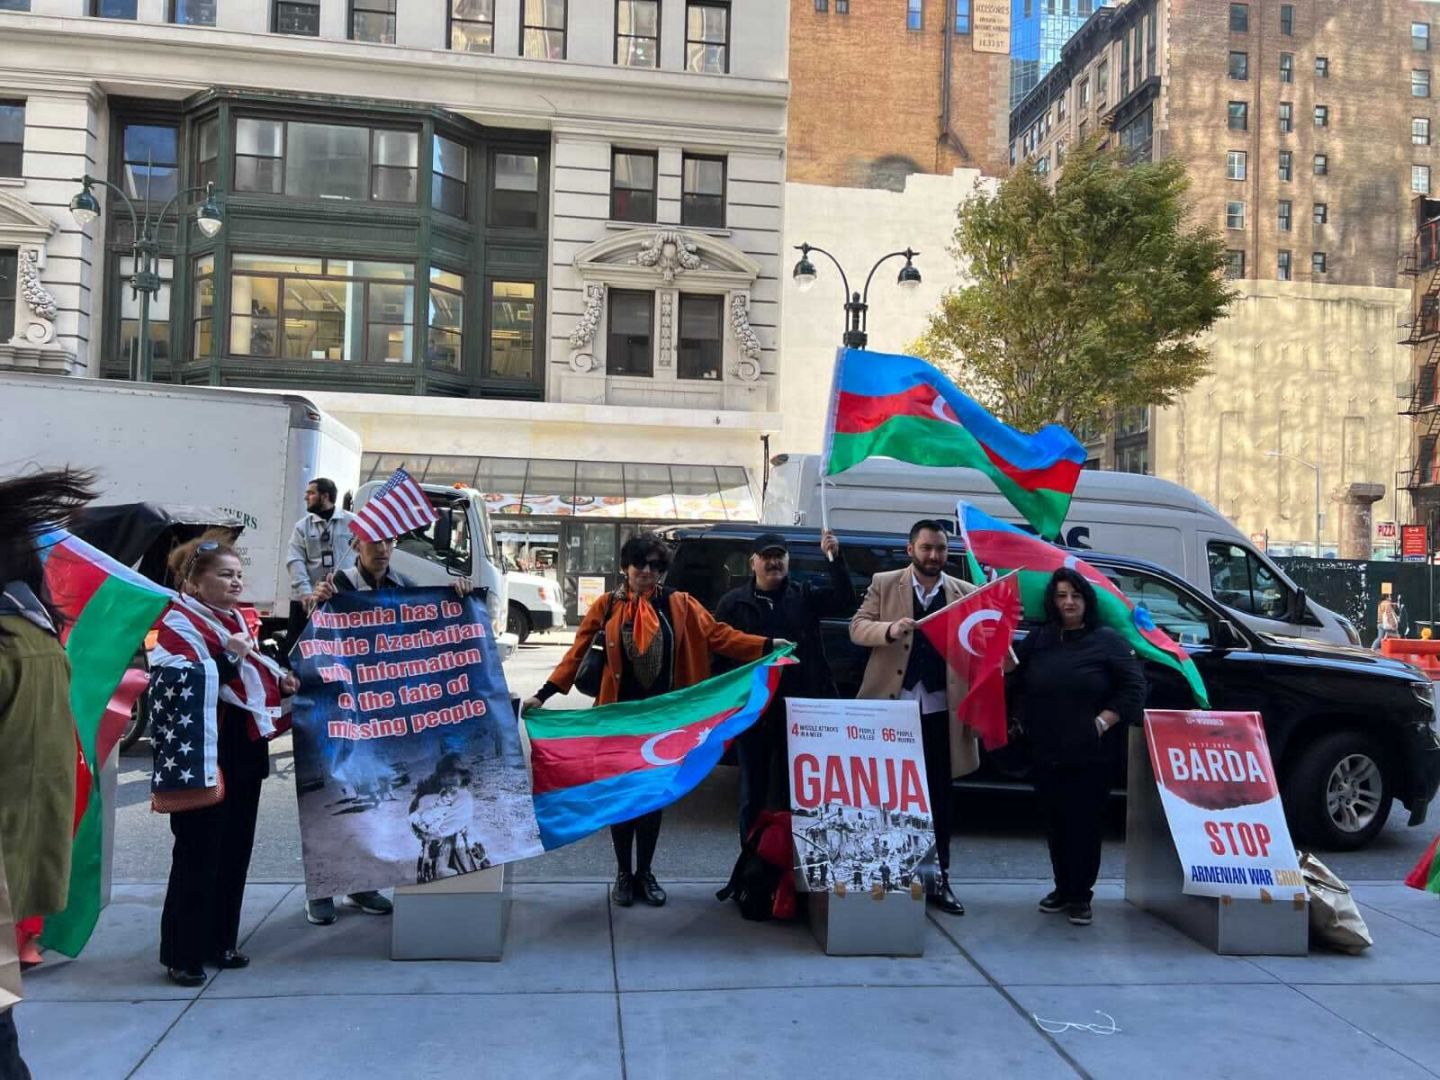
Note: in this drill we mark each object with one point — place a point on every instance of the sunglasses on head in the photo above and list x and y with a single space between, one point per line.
206 547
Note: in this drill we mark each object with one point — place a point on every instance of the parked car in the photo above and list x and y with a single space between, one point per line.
1349 730
536 604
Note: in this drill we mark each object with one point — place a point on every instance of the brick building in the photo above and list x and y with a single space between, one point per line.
1306 128
886 88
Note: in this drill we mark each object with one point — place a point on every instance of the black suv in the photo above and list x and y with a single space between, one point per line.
1349 730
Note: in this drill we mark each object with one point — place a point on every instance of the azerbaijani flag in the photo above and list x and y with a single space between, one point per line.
603 765
1006 548
903 408
1426 874
108 609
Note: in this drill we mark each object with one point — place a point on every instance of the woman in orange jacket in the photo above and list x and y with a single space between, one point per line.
656 640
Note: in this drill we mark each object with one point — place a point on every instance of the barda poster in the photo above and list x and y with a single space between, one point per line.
860 809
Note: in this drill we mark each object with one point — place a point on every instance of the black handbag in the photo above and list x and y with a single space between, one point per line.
592 668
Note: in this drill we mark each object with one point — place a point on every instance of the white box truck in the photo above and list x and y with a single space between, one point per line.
1122 513
250 453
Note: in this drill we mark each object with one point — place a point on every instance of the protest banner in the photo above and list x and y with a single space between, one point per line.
860 810
408 764
1217 784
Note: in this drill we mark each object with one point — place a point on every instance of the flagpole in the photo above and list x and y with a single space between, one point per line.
829 440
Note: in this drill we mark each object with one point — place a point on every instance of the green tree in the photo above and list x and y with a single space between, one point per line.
1087 298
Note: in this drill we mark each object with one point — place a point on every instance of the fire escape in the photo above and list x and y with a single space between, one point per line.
1422 333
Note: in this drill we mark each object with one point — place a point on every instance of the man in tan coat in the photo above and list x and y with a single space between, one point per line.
903 664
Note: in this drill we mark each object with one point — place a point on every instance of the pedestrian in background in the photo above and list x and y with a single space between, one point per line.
203 632
37 730
319 546
904 665
656 640
771 605
1387 619
1075 681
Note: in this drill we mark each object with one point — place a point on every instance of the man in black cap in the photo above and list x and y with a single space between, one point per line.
773 605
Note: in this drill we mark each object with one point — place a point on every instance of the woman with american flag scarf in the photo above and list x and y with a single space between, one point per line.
215 702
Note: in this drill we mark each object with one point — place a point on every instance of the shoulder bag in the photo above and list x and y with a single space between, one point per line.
592 667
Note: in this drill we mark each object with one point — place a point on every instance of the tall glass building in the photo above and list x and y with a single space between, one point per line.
1038 30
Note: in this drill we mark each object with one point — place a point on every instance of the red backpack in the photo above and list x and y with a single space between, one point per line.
763 881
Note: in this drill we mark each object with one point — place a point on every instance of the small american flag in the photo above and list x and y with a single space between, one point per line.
182 727
397 508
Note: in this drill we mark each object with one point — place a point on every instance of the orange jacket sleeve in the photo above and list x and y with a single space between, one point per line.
723 638
563 677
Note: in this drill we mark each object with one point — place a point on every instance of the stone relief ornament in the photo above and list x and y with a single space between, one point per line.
747 368
41 328
670 252
582 359
667 323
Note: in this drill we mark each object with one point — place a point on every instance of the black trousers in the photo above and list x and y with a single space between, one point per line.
643 833
1073 800
761 753
935 742
11 1066
211 857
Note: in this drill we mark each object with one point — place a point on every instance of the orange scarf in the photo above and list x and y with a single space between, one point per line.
644 622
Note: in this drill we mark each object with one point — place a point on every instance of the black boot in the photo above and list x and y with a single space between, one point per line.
943 898
650 890
623 891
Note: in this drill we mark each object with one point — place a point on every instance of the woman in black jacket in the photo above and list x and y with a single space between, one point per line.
1077 681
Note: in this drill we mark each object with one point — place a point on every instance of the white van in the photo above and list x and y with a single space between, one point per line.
1124 513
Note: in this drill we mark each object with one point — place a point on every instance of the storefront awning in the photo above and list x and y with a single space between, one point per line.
632 491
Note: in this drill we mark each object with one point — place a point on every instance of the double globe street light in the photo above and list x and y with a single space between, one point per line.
857 304
145 248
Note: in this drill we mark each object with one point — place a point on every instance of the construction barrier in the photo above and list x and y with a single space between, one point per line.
1423 654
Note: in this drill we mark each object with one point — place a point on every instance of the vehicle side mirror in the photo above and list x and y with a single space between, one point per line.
1298 607
442 534
1228 636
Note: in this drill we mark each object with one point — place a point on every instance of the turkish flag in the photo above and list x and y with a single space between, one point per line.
974 635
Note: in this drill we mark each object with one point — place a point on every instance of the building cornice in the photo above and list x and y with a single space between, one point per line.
162 60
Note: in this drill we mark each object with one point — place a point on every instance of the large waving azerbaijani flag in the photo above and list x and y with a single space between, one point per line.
901 407
599 766
108 610
1006 548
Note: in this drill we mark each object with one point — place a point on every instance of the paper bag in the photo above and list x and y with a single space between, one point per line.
1335 918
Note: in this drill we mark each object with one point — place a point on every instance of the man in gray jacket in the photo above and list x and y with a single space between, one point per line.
319 546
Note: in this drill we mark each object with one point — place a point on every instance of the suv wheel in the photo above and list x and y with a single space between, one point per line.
519 622
1339 794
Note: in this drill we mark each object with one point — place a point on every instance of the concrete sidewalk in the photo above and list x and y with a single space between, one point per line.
692 991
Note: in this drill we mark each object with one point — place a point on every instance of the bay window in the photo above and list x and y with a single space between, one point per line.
512 330
445 345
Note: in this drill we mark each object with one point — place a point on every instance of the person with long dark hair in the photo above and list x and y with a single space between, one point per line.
1077 682
656 640
204 638
37 730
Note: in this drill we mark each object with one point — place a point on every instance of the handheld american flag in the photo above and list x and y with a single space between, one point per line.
397 508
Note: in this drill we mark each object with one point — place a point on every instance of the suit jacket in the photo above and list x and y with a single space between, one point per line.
892 596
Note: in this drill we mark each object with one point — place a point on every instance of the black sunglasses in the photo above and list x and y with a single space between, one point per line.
658 565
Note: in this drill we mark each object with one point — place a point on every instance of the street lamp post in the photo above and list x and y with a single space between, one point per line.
857 304
1316 470
145 248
